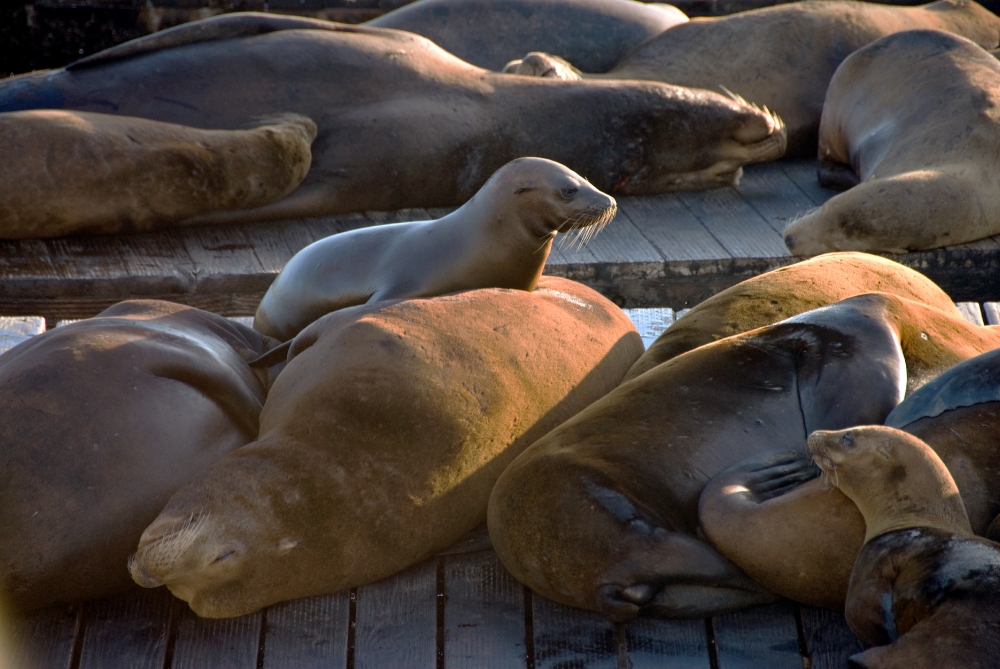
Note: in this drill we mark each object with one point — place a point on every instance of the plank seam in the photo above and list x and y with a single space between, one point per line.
261 640
352 624
168 652
800 629
442 598
529 630
713 650
78 633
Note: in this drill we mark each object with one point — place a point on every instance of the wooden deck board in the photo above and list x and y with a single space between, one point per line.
765 636
308 633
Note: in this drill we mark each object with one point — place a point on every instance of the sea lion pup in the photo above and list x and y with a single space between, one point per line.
787 291
916 116
386 97
103 419
591 34
380 441
801 540
602 512
96 173
796 49
924 590
498 239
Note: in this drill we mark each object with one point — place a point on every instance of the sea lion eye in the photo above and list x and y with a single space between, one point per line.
848 440
569 192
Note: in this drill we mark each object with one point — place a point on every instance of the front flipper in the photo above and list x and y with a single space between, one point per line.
787 529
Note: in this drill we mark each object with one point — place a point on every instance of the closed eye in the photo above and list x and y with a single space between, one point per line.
522 189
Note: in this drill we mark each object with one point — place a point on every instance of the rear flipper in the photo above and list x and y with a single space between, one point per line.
787 529
538 64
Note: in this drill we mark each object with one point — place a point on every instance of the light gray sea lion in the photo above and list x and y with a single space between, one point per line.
103 420
498 239
381 440
916 116
401 122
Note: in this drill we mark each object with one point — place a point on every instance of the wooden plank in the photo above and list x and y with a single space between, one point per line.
274 244
773 195
219 643
803 174
765 636
650 322
992 312
396 624
677 644
128 632
308 633
41 640
16 329
828 639
671 228
484 614
735 224
970 312
620 242
564 636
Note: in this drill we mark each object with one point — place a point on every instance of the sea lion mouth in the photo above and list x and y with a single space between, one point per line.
588 223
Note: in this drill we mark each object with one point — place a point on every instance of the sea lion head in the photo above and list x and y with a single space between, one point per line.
895 479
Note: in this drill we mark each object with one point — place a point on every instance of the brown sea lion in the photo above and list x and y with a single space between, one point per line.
380 441
591 34
96 173
103 419
781 293
383 97
602 512
781 57
916 116
801 541
924 590
498 239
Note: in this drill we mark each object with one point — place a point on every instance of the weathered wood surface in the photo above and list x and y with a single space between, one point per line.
661 251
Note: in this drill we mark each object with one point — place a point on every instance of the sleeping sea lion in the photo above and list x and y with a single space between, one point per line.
924 590
787 291
801 540
103 419
591 34
383 97
602 512
96 173
780 57
498 239
380 441
916 116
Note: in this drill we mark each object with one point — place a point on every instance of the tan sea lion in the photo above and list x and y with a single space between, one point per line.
924 590
591 34
602 512
383 97
787 291
380 441
780 57
916 116
103 419
96 173
801 541
498 239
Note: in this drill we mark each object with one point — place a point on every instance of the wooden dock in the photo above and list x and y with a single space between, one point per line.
457 611
670 250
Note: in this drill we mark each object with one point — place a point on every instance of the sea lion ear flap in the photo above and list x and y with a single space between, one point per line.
884 451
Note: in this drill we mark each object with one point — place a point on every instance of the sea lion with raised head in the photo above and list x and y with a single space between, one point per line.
801 540
81 172
381 440
103 419
785 292
602 512
924 591
780 57
916 116
498 239
382 97
591 34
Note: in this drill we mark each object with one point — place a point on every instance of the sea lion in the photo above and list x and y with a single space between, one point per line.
591 34
380 441
103 420
498 239
386 97
923 589
793 52
787 291
96 173
601 513
801 541
916 116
